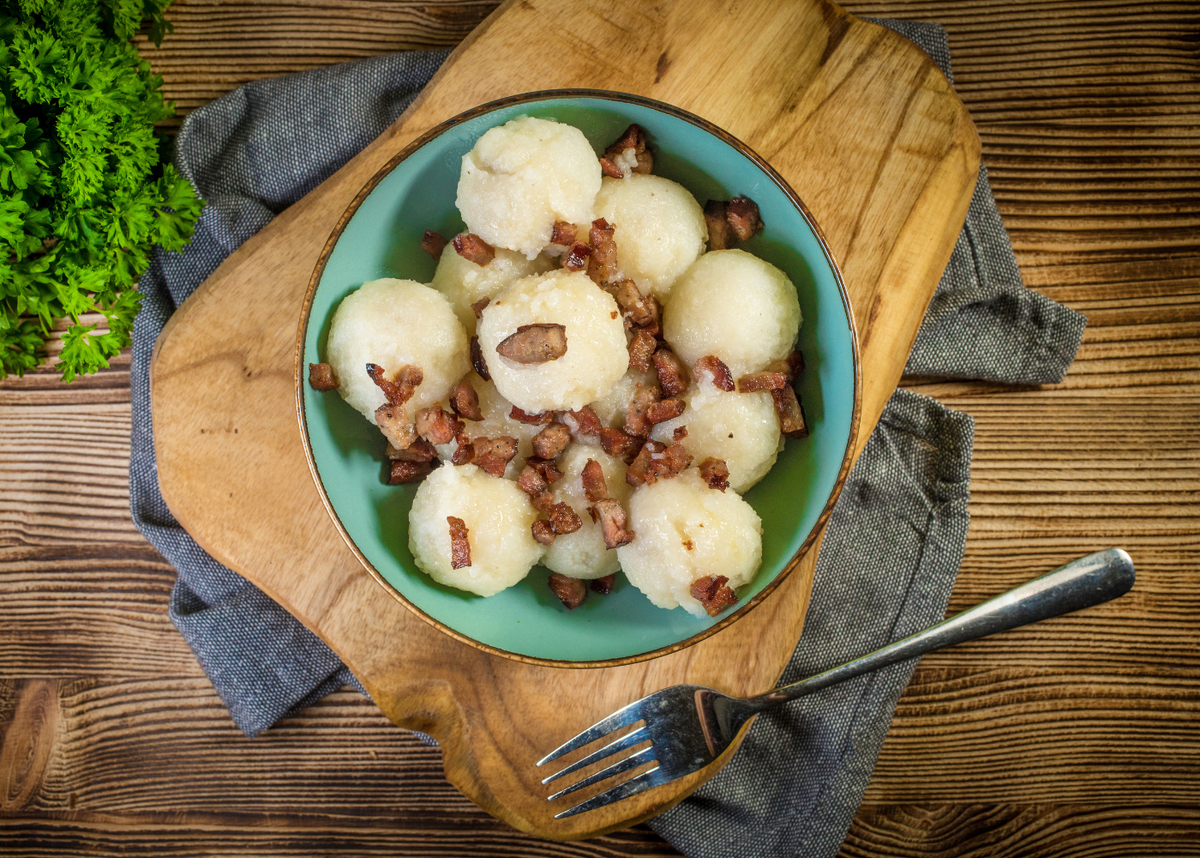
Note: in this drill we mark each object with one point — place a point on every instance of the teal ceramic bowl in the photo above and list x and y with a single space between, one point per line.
380 236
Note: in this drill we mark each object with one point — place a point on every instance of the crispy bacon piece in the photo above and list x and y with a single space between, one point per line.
563 233
619 443
396 427
570 591
401 471
576 259
474 249
640 311
604 585
641 350
494 454
592 477
636 421
612 519
720 233
534 344
633 137
419 451
713 593
543 531
656 462
437 426
715 472
610 169
664 410
477 362
464 452
791 415
460 548
321 377
401 390
539 419
563 518
536 486
464 401
717 370
433 244
673 375
551 441
581 422
679 433
546 468
602 264
764 380
479 306
795 362
743 218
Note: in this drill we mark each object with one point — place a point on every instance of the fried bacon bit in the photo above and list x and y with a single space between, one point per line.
464 401
401 390
621 160
551 441
765 380
640 311
536 486
419 451
460 548
604 585
743 218
539 419
610 169
543 532
570 591
464 452
612 519
791 416
478 307
655 462
713 593
795 362
673 375
715 472
494 454
474 249
563 233
563 518
321 377
592 477
401 471
396 427
437 426
636 421
534 344
577 257
717 370
664 410
477 362
720 233
641 350
619 443
680 433
602 264
433 244
581 422
546 468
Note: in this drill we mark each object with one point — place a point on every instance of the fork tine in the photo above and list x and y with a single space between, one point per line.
652 778
626 741
631 762
621 718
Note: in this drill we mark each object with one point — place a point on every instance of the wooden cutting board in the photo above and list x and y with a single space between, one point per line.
859 121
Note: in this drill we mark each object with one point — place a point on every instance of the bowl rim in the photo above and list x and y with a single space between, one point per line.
725 137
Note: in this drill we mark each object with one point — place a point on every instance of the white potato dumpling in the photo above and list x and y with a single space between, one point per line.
596 355
497 422
523 176
499 521
686 530
658 227
736 306
613 406
583 554
741 428
393 323
465 282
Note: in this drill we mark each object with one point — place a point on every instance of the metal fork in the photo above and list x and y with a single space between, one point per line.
689 726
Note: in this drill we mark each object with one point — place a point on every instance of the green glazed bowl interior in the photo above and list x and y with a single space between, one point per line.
380 236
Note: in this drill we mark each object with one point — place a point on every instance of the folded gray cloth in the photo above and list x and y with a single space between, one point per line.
890 552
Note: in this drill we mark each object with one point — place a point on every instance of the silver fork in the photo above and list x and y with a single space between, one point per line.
689 726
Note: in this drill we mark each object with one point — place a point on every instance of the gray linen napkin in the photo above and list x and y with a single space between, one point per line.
890 553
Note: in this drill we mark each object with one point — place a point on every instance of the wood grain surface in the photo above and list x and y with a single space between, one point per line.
1080 741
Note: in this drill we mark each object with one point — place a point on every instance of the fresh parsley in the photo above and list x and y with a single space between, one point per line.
85 191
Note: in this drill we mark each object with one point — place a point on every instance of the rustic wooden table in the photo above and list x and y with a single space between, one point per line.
1077 737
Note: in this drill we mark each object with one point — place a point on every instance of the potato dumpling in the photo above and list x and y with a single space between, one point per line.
596 355
523 176
499 521
393 323
736 306
583 554
686 530
740 428
464 282
658 226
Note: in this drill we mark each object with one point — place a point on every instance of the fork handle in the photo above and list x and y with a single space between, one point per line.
1082 583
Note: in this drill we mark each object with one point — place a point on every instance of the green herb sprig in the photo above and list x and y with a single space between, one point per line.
85 192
